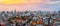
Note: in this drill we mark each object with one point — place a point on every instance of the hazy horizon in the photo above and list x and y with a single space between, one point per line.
32 5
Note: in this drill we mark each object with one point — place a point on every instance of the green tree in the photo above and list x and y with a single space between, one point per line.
12 18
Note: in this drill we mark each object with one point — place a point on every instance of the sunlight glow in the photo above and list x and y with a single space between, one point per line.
19 1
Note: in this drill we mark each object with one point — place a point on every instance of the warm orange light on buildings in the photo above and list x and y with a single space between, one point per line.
34 23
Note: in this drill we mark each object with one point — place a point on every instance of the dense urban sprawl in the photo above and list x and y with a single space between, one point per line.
29 18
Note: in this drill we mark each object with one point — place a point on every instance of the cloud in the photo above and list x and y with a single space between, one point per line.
53 2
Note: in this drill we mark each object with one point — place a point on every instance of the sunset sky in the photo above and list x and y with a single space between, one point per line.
32 5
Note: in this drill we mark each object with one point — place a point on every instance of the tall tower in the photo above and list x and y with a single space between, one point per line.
15 11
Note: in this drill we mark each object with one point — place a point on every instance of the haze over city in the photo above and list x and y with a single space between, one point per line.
32 5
